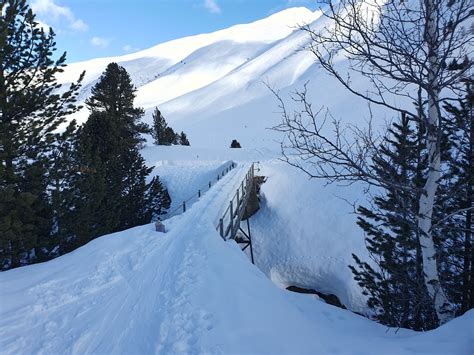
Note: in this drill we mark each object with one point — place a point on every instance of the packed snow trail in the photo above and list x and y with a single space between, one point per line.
186 291
184 178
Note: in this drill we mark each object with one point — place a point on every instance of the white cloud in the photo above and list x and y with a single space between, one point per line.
79 25
51 13
130 48
100 42
212 6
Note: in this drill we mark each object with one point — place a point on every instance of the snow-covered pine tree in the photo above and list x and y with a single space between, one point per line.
30 112
394 281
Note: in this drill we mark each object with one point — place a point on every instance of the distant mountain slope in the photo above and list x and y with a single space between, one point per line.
172 69
212 85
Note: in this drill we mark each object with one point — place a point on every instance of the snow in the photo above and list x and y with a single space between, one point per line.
177 67
305 234
188 291
185 178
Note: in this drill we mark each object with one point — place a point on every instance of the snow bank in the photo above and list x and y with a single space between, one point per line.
186 291
304 234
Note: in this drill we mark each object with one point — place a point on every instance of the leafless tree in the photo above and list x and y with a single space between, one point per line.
415 49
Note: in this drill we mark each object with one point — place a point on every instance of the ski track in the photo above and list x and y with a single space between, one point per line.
185 322
124 291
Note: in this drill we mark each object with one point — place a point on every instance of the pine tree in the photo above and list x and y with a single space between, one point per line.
31 111
393 281
163 134
183 139
235 144
159 127
114 95
97 147
170 137
455 203
112 193
62 175
134 211
157 200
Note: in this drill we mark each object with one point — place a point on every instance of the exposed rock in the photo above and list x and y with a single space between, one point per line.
329 299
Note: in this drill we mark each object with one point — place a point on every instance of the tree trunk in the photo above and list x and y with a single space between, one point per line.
427 198
468 291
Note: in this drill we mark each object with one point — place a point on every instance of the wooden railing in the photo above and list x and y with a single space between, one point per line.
186 203
229 223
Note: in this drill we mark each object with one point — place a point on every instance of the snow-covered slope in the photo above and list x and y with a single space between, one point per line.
216 82
178 67
186 291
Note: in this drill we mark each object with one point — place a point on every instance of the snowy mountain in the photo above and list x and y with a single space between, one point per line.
188 291
216 81
173 69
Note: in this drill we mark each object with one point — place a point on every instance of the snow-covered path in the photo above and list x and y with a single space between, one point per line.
186 291
115 293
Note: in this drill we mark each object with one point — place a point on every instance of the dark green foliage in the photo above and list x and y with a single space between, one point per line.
394 279
235 144
112 193
183 139
163 134
97 156
114 95
30 113
169 137
60 176
135 190
395 284
455 203
159 127
157 199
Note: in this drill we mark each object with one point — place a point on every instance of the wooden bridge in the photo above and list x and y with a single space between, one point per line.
243 204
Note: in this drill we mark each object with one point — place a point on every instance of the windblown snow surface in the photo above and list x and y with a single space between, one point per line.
188 291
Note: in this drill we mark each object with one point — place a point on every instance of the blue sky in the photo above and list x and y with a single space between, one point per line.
96 28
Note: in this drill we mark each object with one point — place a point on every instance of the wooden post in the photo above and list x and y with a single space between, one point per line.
250 240
231 211
184 206
209 184
199 193
221 228
238 198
